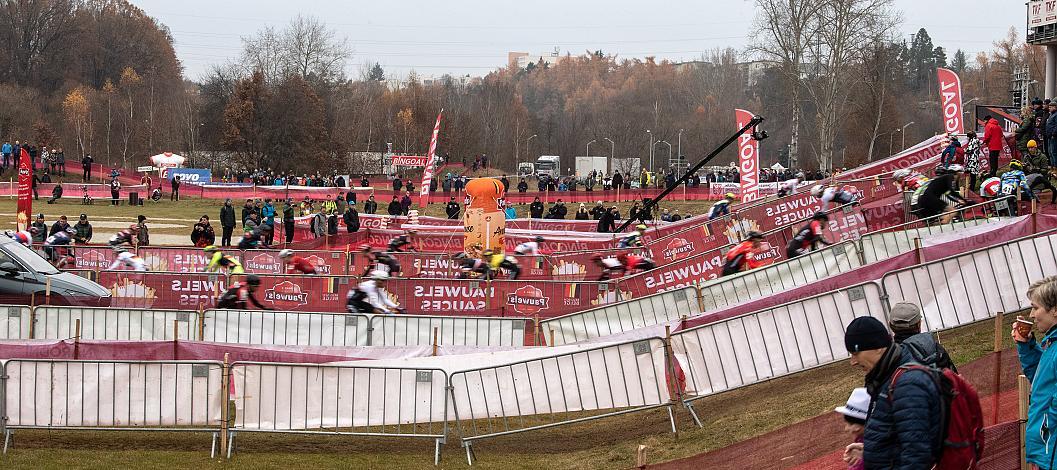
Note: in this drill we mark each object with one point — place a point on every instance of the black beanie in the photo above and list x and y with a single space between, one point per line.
865 333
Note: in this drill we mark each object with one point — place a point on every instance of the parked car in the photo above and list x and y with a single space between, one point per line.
25 276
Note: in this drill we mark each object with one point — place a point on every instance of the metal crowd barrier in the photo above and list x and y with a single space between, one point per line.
129 324
340 400
620 317
888 242
16 322
111 396
421 330
560 389
972 286
285 328
770 343
779 277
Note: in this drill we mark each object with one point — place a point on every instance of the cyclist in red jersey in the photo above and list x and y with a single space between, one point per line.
808 237
740 258
297 263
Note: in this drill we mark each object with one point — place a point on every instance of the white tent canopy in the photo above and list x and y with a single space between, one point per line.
777 166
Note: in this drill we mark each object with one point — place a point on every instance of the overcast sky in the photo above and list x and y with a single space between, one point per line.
473 36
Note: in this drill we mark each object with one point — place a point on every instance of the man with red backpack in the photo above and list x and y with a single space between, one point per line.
920 416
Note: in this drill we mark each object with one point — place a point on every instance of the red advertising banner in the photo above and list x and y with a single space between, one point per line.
748 158
25 191
409 160
951 94
431 162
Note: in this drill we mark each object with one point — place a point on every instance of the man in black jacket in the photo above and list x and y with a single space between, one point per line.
522 186
370 207
618 180
597 211
288 220
247 209
394 207
227 222
452 209
536 209
351 218
903 429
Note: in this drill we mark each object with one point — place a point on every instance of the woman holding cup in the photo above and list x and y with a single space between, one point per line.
1039 361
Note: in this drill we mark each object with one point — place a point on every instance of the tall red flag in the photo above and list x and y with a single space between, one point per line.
25 191
951 94
431 161
748 158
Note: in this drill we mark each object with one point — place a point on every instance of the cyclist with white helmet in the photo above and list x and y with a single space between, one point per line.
296 263
57 247
529 248
128 259
938 195
908 180
370 296
721 207
789 186
831 195
379 261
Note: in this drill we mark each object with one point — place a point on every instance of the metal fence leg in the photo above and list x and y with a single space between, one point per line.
436 453
671 418
231 442
469 452
693 414
7 440
213 448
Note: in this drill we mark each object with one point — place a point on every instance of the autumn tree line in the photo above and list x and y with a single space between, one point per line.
832 77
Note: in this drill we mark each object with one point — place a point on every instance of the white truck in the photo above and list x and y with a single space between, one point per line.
584 165
549 165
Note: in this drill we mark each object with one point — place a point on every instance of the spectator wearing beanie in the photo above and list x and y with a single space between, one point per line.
904 424
854 413
905 322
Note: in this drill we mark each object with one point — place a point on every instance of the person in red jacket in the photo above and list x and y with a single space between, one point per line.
741 257
993 139
297 263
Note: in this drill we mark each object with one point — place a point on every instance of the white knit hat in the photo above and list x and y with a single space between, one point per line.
858 405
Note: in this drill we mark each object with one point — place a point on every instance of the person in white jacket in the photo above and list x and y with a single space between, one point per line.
370 296
127 259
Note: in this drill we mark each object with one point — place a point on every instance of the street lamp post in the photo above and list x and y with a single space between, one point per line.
589 147
904 136
612 154
651 149
669 152
891 137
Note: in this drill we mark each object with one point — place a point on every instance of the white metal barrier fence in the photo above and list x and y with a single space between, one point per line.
560 389
779 277
108 324
877 246
769 343
341 400
111 395
285 328
624 316
972 286
418 330
15 322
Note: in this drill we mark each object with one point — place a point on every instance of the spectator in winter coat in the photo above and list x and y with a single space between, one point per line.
582 214
522 186
1051 134
905 421
398 184
370 207
510 212
202 235
618 180
993 139
59 225
394 207
1038 358
405 203
351 219
227 222
607 223
247 209
84 231
143 235
452 209
536 209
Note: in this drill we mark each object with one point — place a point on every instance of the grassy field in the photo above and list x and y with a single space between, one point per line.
729 418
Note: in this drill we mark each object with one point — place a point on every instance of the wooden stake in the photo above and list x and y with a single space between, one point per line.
77 331
434 341
225 379
1024 394
640 457
201 317
552 338
917 249
997 378
539 329
999 317
47 291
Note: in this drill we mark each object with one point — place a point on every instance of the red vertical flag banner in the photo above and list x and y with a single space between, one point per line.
951 95
25 191
431 162
748 159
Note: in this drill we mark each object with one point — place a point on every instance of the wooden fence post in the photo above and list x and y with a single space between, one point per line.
999 316
434 341
1024 393
640 457
225 410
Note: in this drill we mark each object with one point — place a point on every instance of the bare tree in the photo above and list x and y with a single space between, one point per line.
783 33
843 29
264 52
312 49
